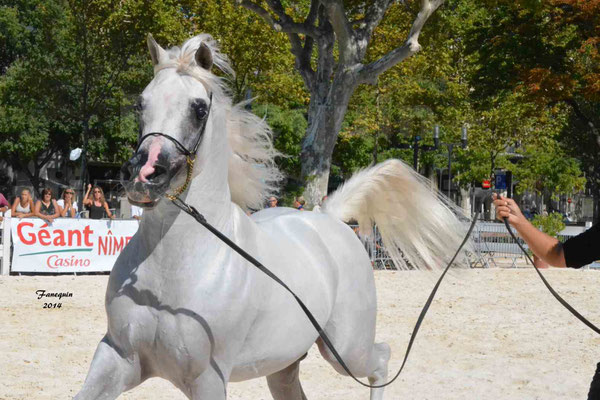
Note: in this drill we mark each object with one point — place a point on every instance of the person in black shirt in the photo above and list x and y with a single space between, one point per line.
96 203
574 253
46 208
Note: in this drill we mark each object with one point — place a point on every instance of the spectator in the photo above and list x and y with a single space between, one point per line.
319 206
299 203
136 212
23 205
97 204
68 205
46 208
4 205
272 202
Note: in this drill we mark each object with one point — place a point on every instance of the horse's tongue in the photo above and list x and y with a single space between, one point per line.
148 168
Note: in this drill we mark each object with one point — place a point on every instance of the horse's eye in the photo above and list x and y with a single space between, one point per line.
200 109
139 105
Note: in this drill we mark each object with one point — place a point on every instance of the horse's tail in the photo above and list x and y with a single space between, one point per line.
416 224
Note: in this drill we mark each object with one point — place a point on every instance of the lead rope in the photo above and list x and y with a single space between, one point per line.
556 295
200 218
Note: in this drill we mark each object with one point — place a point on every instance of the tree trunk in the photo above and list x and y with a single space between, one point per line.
325 116
596 196
465 201
326 25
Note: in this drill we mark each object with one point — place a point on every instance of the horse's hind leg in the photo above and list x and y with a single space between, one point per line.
285 384
380 356
375 367
110 374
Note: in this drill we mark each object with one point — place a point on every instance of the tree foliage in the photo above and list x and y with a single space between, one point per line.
521 75
72 70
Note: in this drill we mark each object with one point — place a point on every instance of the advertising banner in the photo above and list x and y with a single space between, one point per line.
68 244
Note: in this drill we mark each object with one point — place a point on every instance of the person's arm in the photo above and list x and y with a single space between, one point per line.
86 200
67 211
57 209
62 211
72 210
542 245
4 204
108 211
13 209
38 214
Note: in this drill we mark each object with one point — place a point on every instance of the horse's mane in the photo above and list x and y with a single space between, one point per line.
253 174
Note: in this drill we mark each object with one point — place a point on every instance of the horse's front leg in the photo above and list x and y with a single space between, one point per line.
110 374
211 384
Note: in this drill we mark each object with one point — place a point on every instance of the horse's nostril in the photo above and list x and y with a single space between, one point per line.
126 171
159 171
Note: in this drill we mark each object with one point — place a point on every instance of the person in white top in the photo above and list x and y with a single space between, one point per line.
136 212
68 205
23 205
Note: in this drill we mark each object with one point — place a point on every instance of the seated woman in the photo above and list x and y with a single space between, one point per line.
3 206
23 205
96 203
68 205
46 208
3 203
299 203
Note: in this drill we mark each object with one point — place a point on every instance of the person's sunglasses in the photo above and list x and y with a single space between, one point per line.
68 192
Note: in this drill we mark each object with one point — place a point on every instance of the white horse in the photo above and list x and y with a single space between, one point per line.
183 306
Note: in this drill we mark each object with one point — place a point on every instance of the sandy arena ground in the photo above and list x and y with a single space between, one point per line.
490 334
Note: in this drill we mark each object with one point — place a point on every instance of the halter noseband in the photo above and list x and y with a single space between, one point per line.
189 155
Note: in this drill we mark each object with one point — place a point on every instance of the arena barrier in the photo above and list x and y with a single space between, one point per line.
68 245
5 244
493 246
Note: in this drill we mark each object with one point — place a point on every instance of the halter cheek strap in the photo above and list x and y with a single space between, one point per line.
189 155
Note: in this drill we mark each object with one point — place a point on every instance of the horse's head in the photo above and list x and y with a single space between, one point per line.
173 112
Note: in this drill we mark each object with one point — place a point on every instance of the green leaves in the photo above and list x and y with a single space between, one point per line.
550 224
288 128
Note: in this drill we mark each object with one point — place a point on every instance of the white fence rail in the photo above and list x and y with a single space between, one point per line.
5 244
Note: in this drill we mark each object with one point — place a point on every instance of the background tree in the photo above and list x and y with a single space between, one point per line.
339 33
549 52
68 86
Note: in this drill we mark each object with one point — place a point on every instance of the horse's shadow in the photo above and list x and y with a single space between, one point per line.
148 299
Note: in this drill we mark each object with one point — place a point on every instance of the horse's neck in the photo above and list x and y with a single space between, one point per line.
169 232
173 230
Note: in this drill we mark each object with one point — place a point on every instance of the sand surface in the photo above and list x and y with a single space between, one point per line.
490 334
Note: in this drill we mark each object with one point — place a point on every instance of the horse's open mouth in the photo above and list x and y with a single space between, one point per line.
144 204
144 195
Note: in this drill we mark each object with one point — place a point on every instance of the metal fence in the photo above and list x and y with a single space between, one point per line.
492 246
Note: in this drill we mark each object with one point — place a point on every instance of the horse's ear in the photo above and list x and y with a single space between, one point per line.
204 56
157 53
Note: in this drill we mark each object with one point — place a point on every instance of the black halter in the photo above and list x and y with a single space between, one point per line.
182 149
190 156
